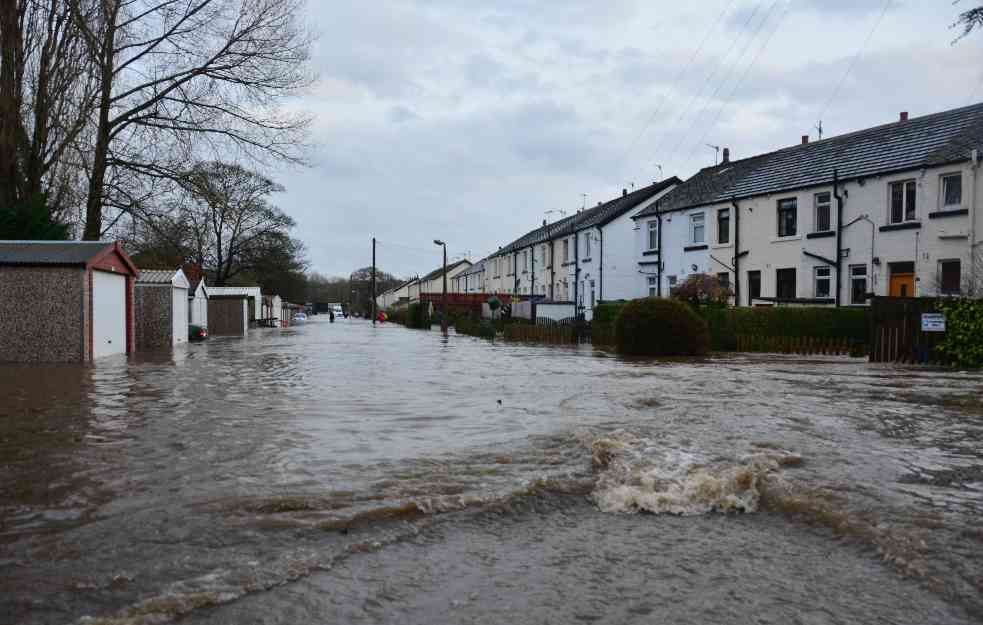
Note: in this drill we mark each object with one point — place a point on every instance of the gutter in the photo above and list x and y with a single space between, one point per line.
839 236
737 252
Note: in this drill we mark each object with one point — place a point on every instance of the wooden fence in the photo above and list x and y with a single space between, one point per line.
804 345
896 331
553 333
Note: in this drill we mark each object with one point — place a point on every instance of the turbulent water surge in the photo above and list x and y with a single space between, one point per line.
349 473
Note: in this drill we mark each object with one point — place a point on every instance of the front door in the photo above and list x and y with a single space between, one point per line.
902 285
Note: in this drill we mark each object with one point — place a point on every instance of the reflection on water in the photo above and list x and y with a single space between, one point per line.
335 456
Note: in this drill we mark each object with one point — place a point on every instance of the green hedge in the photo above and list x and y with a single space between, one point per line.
963 343
605 317
481 328
661 327
727 324
418 316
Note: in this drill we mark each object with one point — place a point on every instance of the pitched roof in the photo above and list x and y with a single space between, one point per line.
50 252
436 273
156 276
599 215
931 140
477 267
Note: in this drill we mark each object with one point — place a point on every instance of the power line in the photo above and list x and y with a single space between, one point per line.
849 69
675 82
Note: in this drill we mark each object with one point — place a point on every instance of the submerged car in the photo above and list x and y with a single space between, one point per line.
197 333
300 318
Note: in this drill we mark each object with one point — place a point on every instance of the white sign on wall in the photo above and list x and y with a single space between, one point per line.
933 322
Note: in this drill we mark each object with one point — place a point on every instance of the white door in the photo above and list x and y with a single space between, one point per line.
108 314
180 315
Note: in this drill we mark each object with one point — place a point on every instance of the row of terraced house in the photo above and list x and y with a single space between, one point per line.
889 211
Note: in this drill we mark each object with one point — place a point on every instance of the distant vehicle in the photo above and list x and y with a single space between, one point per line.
197 333
337 310
300 318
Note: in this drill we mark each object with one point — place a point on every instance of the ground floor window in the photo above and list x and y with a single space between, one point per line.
950 277
858 284
753 286
653 282
785 283
724 280
822 281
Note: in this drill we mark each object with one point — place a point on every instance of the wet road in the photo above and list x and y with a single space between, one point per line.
345 473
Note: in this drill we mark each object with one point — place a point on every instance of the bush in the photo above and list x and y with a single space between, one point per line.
703 290
661 327
726 325
963 342
418 316
481 328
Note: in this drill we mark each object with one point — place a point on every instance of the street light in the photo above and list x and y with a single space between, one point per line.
443 298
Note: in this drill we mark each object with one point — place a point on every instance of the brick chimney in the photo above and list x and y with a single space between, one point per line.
726 155
624 192
805 139
904 116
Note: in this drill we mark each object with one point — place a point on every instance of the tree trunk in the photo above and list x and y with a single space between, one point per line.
100 156
11 71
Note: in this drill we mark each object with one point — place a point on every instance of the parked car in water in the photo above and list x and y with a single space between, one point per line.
300 318
338 310
197 333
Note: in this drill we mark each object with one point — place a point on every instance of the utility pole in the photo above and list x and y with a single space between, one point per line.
443 297
373 281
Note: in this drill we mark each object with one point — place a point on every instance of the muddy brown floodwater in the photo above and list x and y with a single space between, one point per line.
344 473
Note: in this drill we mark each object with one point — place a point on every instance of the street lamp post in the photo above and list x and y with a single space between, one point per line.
443 297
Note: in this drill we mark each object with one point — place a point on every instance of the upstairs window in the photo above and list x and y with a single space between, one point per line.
787 217
952 191
822 222
587 245
653 234
723 226
697 227
903 201
566 250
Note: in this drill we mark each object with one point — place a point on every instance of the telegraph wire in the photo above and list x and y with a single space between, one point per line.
860 51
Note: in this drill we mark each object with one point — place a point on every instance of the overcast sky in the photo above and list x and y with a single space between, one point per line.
467 120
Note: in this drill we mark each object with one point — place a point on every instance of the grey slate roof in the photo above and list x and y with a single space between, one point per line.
927 141
436 273
478 267
50 252
156 276
596 216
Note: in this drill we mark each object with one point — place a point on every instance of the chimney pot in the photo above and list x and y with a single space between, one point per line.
805 139
726 155
904 116
624 192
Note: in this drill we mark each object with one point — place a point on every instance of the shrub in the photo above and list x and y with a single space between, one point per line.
816 322
481 328
602 325
702 290
418 316
963 342
661 327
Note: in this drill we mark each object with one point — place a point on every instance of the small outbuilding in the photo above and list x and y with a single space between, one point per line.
198 303
65 301
161 304
228 314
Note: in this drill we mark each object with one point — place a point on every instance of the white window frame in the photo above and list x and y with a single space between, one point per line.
828 278
693 226
566 250
904 201
778 214
816 204
866 277
587 244
942 188
653 286
729 218
652 228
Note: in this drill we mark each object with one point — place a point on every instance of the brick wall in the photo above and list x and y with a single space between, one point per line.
42 314
152 317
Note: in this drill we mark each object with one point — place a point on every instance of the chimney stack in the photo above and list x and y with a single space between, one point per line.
726 155
904 116
624 192
805 139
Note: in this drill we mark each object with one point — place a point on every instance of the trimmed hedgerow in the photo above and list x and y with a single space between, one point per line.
418 316
963 343
727 324
661 327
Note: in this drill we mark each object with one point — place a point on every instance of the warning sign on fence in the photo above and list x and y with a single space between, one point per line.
933 322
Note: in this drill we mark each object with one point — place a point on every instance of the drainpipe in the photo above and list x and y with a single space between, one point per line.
600 266
576 272
839 236
658 217
737 252
972 223
532 272
515 274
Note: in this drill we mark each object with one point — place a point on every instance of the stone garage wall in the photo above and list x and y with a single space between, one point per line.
42 313
152 317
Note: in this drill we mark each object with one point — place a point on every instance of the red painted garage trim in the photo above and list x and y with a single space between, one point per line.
113 259
89 354
130 338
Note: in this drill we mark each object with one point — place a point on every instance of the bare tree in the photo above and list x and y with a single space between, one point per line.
47 94
968 21
187 80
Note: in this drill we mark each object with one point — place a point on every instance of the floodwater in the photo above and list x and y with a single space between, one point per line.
345 473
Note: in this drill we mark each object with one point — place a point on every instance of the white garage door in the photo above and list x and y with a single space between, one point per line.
108 314
180 317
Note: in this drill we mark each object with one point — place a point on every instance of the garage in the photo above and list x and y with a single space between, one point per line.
161 309
79 295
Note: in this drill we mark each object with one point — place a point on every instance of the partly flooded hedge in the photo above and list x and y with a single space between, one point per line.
660 327
834 324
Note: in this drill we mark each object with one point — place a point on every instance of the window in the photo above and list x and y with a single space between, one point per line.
822 221
902 201
753 285
653 234
723 226
525 260
566 250
950 277
672 281
653 283
587 245
724 280
542 256
821 287
952 191
858 284
785 283
697 227
787 217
